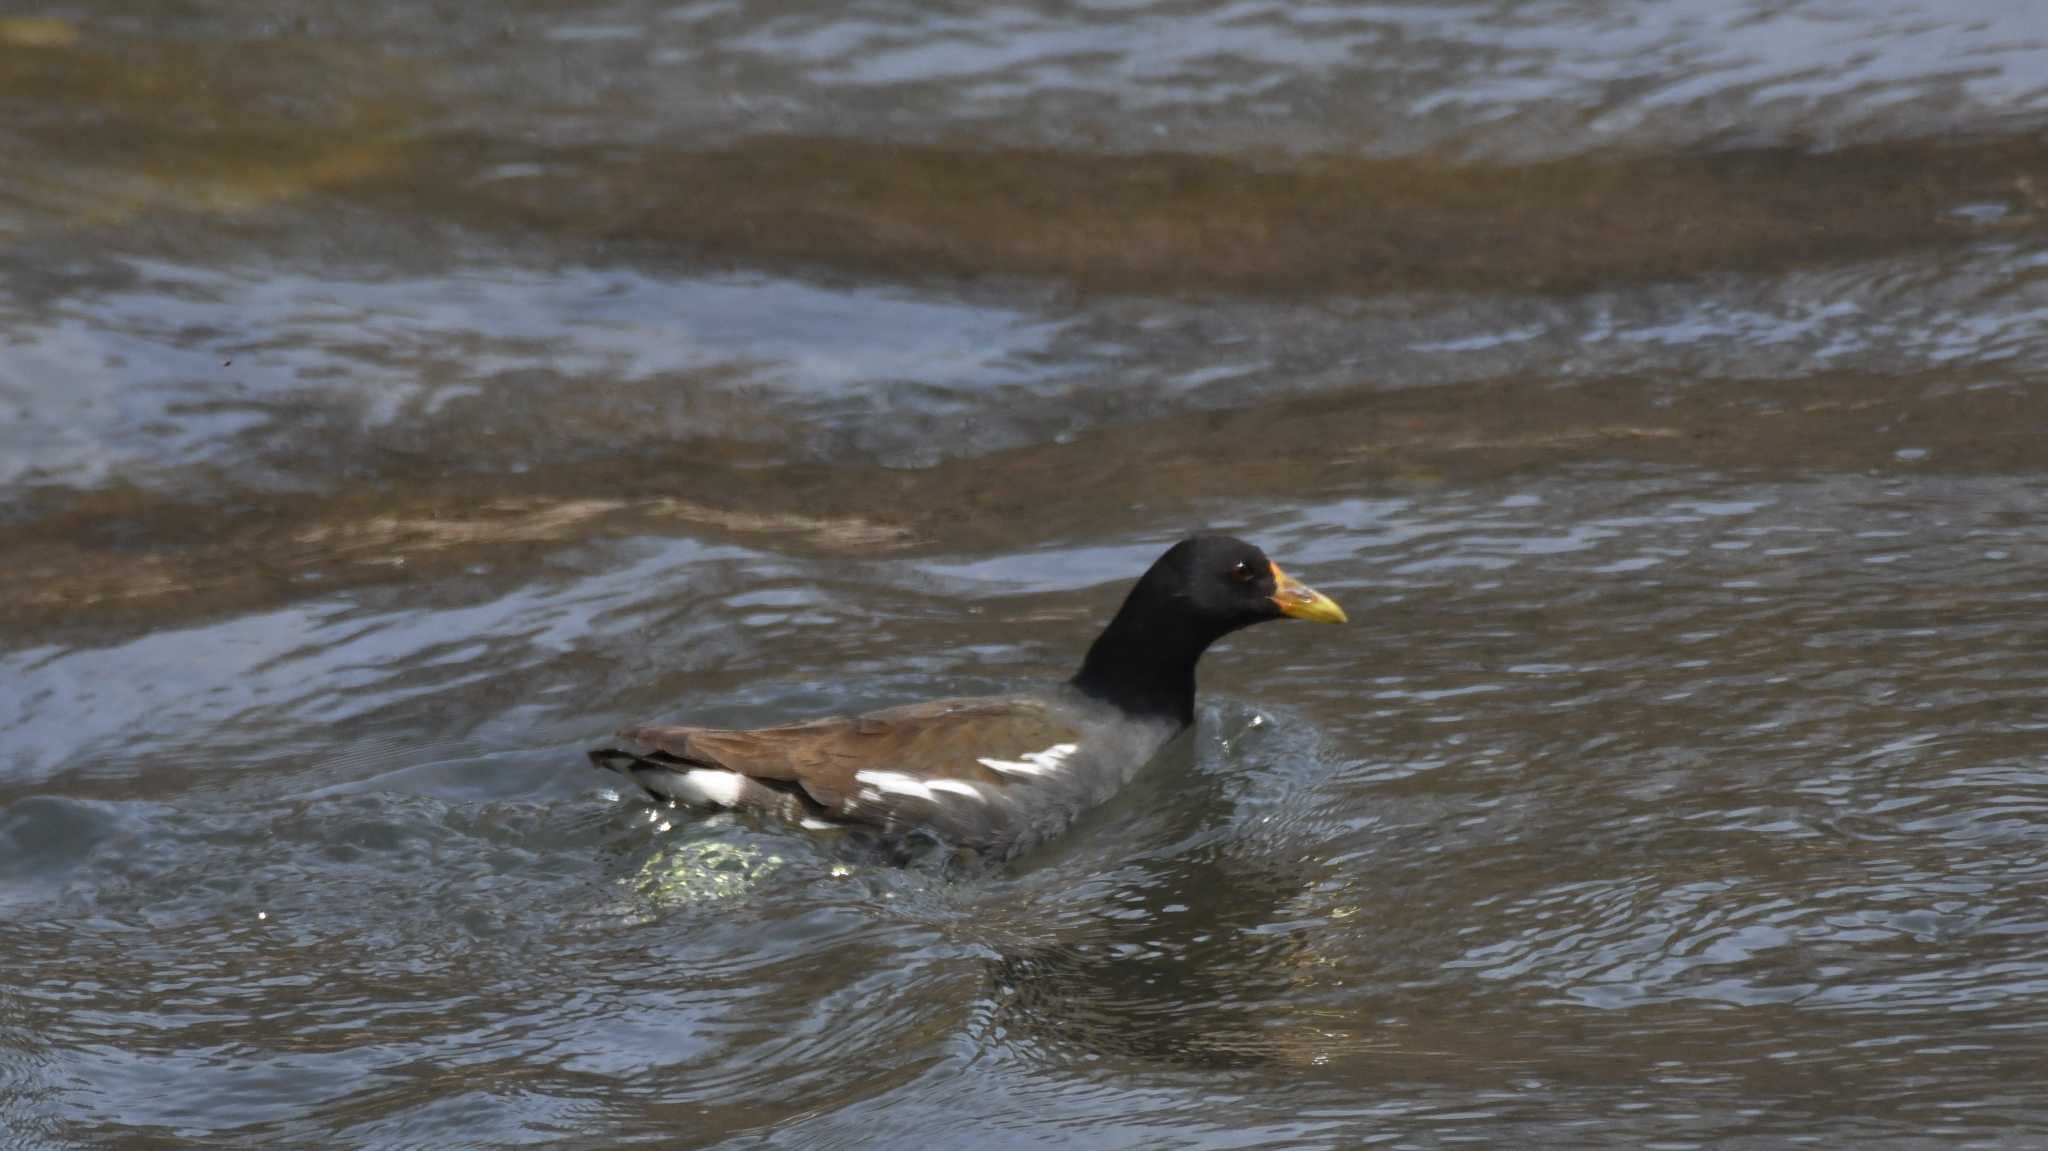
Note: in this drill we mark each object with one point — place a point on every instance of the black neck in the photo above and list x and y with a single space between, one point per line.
1144 662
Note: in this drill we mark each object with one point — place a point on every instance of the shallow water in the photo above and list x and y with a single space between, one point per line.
393 401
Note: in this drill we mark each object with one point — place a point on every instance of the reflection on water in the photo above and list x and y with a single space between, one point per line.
1518 77
176 366
1362 73
391 403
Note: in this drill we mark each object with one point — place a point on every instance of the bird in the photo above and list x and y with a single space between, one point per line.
996 775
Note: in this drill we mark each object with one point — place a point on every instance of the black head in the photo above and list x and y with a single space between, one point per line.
1221 583
1202 589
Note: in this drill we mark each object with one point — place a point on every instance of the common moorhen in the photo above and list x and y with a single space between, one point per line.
994 774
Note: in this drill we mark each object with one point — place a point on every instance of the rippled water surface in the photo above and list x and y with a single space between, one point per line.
395 398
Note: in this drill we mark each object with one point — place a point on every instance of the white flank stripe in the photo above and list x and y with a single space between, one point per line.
817 825
704 786
1034 762
894 781
956 787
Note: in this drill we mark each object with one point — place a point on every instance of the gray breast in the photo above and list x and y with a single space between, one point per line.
1044 789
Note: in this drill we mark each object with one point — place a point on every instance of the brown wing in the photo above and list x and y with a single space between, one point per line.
946 741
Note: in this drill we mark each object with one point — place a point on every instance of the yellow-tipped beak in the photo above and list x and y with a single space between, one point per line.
1301 601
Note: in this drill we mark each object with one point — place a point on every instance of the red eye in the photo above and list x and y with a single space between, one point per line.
1244 572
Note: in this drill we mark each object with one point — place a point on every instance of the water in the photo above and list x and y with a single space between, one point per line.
393 400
